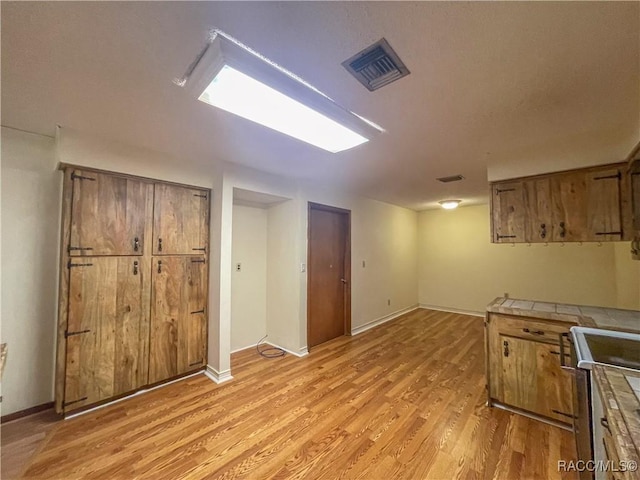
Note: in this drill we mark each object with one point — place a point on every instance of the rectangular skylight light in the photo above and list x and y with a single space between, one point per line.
242 95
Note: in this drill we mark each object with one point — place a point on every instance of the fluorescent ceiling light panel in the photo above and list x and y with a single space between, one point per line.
242 95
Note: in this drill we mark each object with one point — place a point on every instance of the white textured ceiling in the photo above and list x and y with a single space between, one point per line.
499 87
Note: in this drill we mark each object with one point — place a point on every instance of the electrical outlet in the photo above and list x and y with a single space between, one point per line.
389 301
238 267
506 295
303 267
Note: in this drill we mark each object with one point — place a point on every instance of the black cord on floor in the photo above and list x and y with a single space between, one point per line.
270 352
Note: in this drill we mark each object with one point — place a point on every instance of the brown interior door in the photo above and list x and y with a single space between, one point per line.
106 324
180 220
107 214
328 295
178 327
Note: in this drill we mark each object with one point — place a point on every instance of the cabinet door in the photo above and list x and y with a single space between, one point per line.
537 199
180 220
604 220
107 329
508 212
587 206
107 214
178 321
533 380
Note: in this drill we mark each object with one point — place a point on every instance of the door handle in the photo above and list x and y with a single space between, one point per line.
343 280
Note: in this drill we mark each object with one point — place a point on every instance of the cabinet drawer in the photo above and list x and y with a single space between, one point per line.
530 329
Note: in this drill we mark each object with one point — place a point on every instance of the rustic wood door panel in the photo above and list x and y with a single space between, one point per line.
178 320
519 375
570 203
181 220
553 388
533 380
107 328
538 205
328 277
108 214
604 221
508 212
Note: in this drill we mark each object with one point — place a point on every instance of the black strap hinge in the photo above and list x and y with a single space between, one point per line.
71 249
499 191
197 311
202 249
69 265
198 261
68 334
608 233
500 237
605 177
64 404
200 195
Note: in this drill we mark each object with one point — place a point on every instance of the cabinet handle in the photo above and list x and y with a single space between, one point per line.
505 344
533 332
136 244
135 268
543 230
563 230
159 244
159 266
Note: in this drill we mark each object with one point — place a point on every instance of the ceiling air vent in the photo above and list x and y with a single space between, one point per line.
376 65
452 178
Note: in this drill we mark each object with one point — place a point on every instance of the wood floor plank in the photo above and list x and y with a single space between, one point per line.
404 400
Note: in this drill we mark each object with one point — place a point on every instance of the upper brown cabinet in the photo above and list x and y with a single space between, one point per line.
585 205
107 214
508 212
180 220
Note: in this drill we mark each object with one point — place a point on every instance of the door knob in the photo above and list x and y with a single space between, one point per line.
343 280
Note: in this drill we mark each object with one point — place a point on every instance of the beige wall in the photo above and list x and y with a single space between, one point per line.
249 285
461 269
31 189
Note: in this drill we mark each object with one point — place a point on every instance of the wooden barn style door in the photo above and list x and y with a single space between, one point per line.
133 285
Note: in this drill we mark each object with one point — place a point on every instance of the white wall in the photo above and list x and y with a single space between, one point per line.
461 269
283 274
31 189
249 285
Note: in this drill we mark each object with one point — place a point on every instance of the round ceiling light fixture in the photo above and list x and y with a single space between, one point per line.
449 204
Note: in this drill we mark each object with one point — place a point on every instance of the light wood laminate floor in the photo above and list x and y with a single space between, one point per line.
405 400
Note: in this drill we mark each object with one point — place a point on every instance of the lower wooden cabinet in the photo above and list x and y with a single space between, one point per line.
107 329
178 320
524 369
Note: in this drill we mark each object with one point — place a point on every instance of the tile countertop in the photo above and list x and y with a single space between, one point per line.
596 317
621 404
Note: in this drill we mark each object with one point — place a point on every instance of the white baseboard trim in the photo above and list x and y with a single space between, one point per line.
216 376
243 348
381 320
303 352
135 394
453 310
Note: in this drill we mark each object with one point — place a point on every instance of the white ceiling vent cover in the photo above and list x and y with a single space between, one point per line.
376 65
